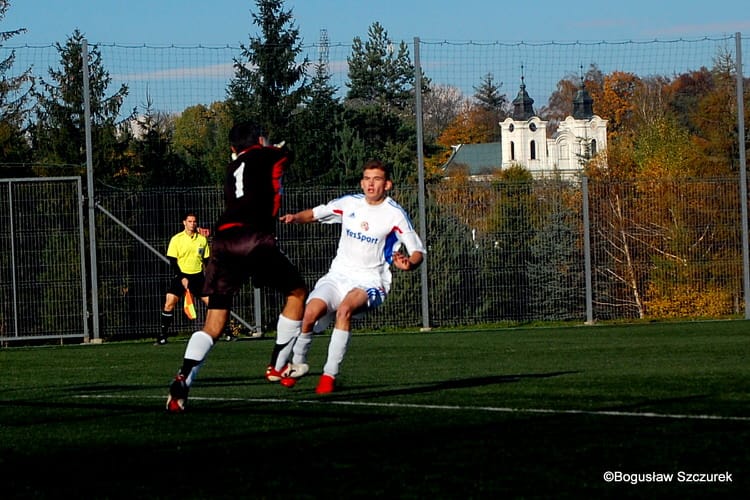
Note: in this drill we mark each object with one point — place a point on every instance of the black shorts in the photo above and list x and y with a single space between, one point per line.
238 255
195 285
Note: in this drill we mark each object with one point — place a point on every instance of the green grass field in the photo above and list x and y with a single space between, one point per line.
519 413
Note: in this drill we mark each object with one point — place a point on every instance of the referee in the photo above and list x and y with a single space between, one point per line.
188 253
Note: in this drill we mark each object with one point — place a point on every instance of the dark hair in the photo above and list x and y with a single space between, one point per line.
243 135
189 214
377 164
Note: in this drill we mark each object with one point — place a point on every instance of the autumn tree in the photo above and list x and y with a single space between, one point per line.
470 126
715 117
615 102
560 104
154 156
651 102
269 83
468 201
440 107
474 121
621 282
664 150
644 198
704 102
681 148
200 140
685 91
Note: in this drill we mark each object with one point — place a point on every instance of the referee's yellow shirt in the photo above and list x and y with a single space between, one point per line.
189 251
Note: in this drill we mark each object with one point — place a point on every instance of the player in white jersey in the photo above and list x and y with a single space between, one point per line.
373 230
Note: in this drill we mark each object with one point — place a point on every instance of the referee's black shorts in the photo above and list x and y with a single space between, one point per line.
195 285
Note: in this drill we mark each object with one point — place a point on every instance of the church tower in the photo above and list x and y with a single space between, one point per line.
580 136
583 104
523 105
523 134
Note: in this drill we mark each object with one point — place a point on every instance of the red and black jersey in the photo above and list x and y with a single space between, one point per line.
252 189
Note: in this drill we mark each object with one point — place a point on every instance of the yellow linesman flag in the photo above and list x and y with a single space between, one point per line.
189 306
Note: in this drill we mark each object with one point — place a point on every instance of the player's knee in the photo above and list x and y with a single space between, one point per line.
170 301
309 319
299 294
344 313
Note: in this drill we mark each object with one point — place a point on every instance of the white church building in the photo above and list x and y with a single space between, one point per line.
524 140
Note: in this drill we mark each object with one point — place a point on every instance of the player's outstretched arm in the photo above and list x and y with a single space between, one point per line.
303 217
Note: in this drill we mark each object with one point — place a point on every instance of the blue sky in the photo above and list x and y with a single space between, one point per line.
221 22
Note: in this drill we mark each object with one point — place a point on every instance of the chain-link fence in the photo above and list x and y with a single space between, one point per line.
42 267
168 79
498 251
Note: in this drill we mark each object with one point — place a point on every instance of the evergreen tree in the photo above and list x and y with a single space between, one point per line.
59 133
556 278
269 84
380 102
315 127
14 96
492 108
378 73
508 250
381 134
452 285
349 154
488 94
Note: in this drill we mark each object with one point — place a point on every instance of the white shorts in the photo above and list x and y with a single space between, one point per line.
333 287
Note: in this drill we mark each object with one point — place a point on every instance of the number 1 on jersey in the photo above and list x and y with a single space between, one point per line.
239 185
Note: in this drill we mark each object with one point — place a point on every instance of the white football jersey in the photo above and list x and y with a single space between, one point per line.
370 234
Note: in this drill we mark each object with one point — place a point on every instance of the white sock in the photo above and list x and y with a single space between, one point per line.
287 331
198 347
336 350
301 348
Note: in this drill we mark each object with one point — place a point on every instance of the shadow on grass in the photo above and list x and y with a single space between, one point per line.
464 383
125 406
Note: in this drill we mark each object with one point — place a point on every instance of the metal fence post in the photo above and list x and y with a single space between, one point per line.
587 250
743 175
421 187
90 193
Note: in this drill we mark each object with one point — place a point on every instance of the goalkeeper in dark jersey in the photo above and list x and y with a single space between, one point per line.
244 247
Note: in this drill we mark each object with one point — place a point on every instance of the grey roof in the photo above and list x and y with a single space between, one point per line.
480 159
